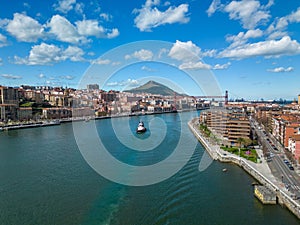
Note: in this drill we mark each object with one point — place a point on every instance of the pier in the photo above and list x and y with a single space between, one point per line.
265 195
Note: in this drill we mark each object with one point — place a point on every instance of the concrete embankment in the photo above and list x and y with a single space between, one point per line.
256 171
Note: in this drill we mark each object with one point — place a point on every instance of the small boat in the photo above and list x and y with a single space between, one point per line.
224 170
141 128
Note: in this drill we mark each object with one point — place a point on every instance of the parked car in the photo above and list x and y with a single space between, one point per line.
286 161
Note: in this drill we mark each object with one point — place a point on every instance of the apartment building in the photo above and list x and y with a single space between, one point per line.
294 146
231 124
285 126
9 103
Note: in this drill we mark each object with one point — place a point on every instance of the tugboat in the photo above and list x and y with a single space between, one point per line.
141 128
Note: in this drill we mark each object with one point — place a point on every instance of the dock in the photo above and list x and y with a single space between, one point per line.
265 195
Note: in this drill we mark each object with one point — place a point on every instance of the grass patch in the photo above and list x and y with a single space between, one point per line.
246 153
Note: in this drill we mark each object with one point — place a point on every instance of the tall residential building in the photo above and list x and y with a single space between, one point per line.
9 103
231 124
93 87
294 146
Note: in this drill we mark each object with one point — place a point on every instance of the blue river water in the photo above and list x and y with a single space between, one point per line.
44 179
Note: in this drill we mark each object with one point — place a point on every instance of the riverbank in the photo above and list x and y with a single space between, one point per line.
43 123
260 171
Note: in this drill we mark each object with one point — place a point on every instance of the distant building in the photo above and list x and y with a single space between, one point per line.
294 146
9 103
93 87
284 127
24 113
56 113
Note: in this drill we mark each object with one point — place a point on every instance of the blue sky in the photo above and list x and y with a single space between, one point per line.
250 48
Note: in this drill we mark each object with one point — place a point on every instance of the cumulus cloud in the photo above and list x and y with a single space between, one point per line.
194 66
269 48
128 82
221 66
214 6
243 37
143 55
65 31
146 68
101 61
278 28
249 12
3 40
64 6
89 27
149 16
67 77
106 16
294 17
24 28
73 53
45 54
281 70
184 51
11 77
113 33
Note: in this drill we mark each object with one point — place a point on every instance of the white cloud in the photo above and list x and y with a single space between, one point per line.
106 16
10 76
281 70
242 37
184 51
79 8
3 40
114 33
24 28
73 53
209 53
45 54
221 66
194 66
148 69
64 30
294 17
150 17
90 28
101 61
64 6
278 28
143 55
128 82
214 6
67 77
270 48
249 12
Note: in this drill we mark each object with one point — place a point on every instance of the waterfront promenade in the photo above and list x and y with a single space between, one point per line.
260 171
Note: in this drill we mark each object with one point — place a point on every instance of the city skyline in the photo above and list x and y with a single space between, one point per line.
251 47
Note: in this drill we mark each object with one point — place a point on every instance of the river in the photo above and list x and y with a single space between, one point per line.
44 179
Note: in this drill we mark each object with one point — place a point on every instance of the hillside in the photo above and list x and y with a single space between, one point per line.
153 88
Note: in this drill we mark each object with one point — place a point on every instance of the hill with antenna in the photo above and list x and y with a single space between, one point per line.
154 88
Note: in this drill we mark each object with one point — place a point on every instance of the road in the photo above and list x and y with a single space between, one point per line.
290 179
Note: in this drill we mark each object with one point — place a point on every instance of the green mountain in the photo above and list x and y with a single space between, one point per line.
153 87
